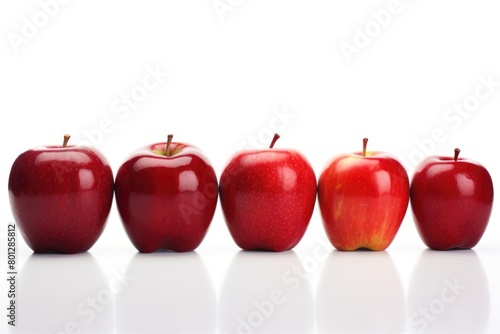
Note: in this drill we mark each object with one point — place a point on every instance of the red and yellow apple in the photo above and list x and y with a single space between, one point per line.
363 198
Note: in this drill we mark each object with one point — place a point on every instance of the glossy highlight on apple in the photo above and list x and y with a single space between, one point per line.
61 197
167 193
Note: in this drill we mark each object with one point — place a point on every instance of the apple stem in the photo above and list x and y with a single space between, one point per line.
275 138
169 141
457 152
66 139
365 142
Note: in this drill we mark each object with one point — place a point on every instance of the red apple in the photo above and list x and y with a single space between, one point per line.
363 198
61 197
268 197
166 194
451 199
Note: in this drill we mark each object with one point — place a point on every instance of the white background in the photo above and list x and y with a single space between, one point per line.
229 74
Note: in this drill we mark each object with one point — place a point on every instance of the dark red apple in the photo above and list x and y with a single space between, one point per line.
363 198
61 197
166 194
451 199
268 197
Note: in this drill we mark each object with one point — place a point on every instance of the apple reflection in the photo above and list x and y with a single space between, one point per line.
59 293
168 293
448 293
360 292
266 292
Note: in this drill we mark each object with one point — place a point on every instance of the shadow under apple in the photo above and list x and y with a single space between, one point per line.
360 292
60 293
168 293
266 292
448 293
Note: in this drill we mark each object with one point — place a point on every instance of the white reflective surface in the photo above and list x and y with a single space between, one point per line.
309 290
449 292
168 292
67 294
360 292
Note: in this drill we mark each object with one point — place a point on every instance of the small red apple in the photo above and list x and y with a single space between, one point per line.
363 198
451 199
61 197
268 197
166 194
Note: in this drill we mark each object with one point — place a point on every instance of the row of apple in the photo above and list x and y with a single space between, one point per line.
167 193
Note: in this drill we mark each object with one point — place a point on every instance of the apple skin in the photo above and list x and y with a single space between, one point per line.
451 202
363 200
166 202
267 198
61 197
